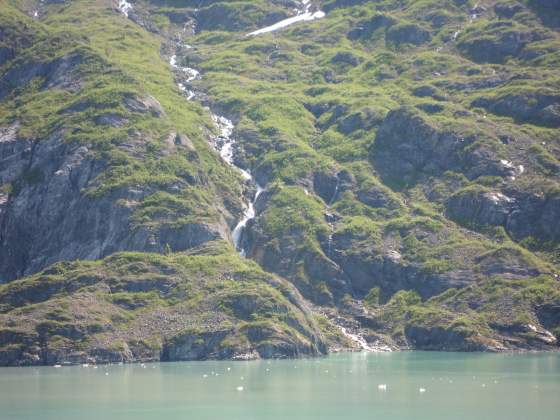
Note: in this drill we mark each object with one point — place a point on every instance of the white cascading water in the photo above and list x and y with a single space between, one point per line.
358 339
248 215
224 144
124 7
190 73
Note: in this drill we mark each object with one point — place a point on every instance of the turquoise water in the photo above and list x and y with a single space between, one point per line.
342 386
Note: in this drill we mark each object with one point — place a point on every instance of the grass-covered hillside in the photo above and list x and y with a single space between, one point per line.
138 306
99 151
408 154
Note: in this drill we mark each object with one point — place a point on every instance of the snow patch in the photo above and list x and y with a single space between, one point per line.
303 14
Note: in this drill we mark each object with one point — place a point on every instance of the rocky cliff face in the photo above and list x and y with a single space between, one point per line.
394 166
522 214
51 217
410 147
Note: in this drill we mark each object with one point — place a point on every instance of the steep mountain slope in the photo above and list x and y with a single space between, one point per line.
99 152
397 162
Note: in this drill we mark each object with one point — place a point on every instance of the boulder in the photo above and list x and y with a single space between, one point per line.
428 91
366 28
326 185
351 123
344 57
377 196
111 119
536 215
144 105
410 146
194 345
496 42
508 10
430 108
427 337
390 272
522 214
60 72
407 33
535 107
480 208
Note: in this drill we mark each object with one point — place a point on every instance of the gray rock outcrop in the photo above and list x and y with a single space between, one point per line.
49 215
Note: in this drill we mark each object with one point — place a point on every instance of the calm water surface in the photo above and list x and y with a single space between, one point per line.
342 386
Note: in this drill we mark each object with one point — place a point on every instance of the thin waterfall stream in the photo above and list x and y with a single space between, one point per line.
224 143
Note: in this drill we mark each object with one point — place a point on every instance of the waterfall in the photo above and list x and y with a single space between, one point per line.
124 7
224 144
332 221
364 345
237 234
335 193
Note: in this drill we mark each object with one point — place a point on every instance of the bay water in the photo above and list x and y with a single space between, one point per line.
403 385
